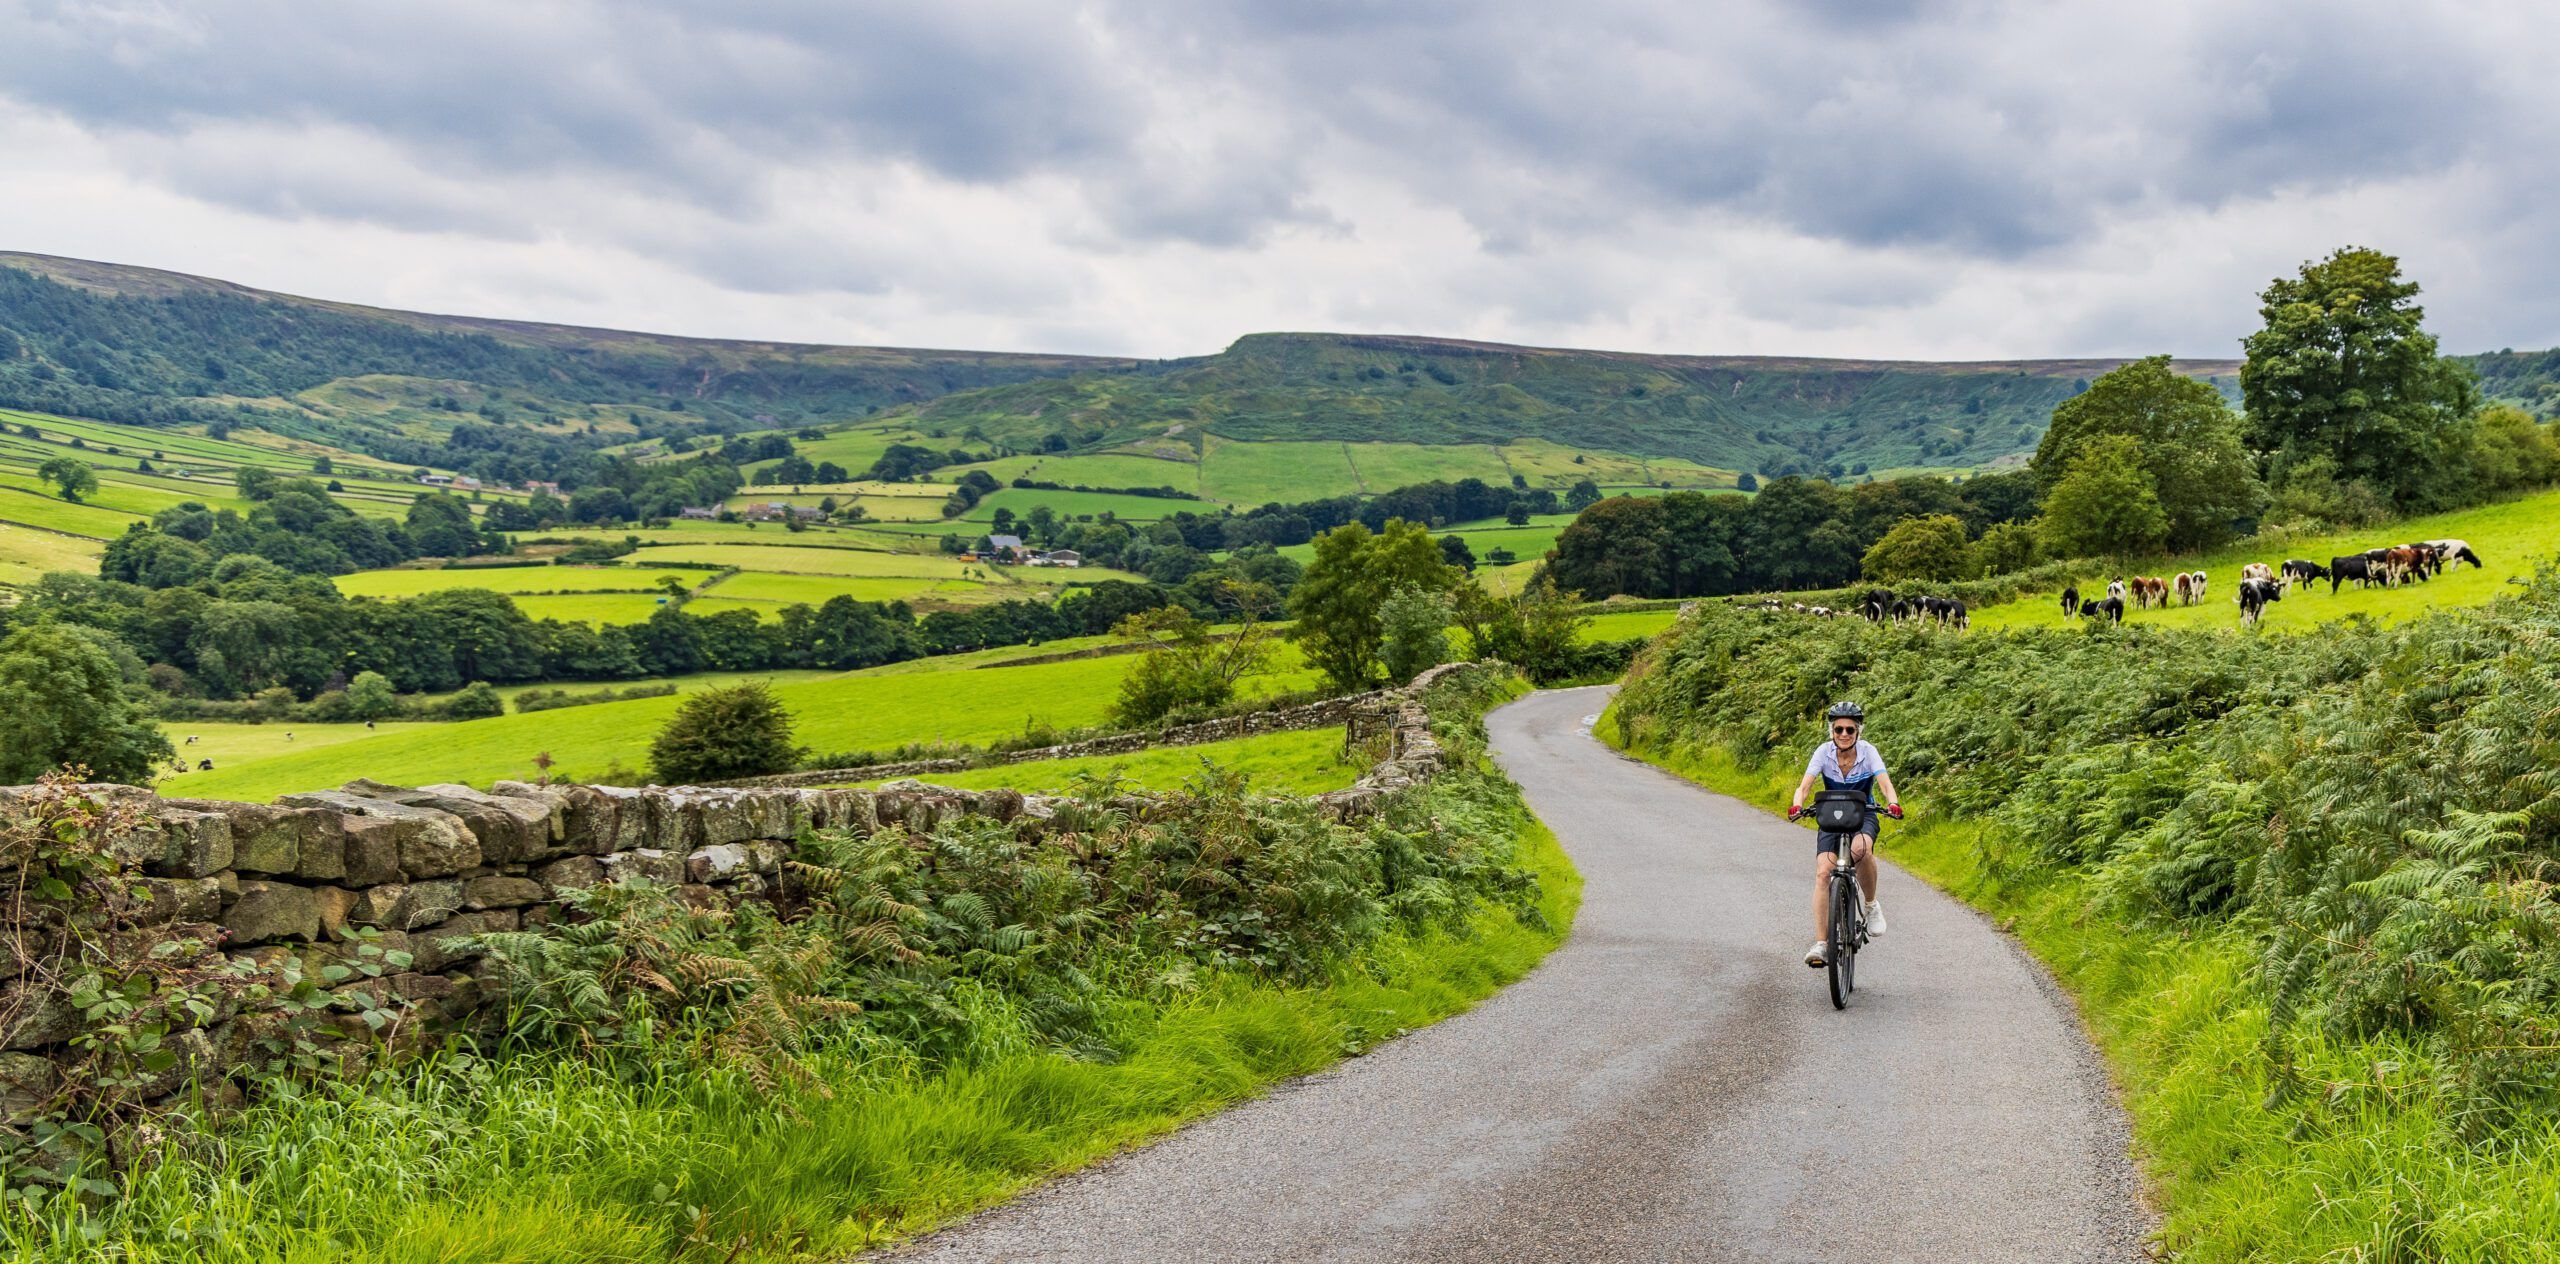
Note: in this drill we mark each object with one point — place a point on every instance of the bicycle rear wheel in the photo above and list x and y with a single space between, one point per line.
1843 943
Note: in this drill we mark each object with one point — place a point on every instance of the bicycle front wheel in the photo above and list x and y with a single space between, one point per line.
1844 943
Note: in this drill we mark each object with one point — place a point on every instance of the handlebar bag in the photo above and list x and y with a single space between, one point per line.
1840 811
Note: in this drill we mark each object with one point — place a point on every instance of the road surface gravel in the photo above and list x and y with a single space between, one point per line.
1671 1084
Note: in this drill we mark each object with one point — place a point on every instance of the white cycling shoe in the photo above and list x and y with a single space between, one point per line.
1875 920
1819 956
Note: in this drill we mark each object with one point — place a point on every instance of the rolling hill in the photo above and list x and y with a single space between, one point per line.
140 345
149 347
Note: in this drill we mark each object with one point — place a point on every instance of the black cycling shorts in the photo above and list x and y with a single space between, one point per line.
1827 843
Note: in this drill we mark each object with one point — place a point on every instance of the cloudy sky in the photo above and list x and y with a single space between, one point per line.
1154 177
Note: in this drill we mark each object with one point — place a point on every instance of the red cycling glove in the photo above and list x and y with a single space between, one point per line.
1894 811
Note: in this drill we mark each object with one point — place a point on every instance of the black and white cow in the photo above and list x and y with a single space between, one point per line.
2300 571
2070 607
2254 596
2453 553
2111 610
2356 567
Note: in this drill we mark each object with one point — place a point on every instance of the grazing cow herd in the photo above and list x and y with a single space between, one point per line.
1881 606
2261 584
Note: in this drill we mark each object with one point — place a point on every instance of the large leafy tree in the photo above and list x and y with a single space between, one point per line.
1931 547
73 477
2104 504
1339 602
2344 369
1616 546
70 704
2186 438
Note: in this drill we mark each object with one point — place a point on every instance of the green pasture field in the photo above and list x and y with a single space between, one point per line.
26 553
854 449
517 580
1306 761
809 559
1246 474
228 744
1509 580
284 455
1384 467
1547 464
691 683
1078 504
596 608
900 508
1105 469
1627 624
608 742
702 533
2513 537
778 589
39 509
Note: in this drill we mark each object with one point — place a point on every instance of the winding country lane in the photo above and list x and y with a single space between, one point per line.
1672 1084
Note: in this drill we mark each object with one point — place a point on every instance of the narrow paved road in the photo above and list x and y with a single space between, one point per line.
1672 1084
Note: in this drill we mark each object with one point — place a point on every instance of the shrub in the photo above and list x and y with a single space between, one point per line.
719 734
478 701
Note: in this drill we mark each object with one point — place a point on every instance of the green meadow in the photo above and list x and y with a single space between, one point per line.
1305 761
2513 539
517 580
872 710
1102 469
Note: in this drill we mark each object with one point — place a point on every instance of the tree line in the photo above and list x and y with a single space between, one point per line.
2349 415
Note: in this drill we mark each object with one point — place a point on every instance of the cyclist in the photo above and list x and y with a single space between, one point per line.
1846 762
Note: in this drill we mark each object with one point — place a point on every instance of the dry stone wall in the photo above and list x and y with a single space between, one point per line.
423 867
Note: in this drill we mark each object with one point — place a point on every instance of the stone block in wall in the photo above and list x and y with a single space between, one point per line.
414 986
337 907
183 899
576 873
589 818
501 891
840 810
703 896
663 867
369 850
174 841
646 818
27 1081
718 862
270 911
1002 803
300 841
42 1017
434 947
505 830
408 905
431 843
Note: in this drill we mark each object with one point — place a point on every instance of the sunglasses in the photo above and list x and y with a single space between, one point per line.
1844 728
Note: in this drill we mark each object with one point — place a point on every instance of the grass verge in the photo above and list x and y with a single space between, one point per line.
2363 1174
533 1159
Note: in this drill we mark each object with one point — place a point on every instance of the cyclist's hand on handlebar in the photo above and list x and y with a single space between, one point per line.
1795 813
1893 810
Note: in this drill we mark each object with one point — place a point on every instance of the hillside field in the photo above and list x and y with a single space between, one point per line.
2514 538
873 710
1304 761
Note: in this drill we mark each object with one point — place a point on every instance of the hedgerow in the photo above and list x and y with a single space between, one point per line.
2375 810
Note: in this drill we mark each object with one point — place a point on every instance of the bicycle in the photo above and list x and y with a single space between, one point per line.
1841 812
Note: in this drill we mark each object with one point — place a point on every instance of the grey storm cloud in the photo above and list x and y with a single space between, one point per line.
1943 133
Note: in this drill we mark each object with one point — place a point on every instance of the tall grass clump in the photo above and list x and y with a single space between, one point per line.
2304 885
922 1022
